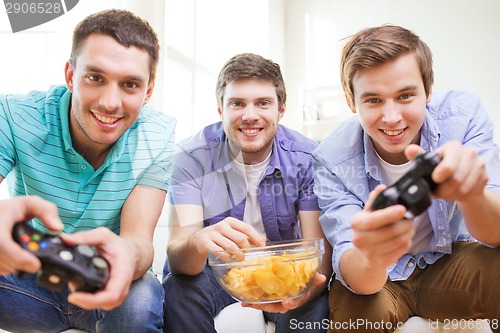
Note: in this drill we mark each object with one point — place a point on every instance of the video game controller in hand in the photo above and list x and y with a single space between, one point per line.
62 264
414 189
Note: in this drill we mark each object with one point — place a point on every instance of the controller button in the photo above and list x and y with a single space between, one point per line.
43 245
33 246
56 240
413 189
100 263
85 250
54 279
66 255
391 192
25 238
36 237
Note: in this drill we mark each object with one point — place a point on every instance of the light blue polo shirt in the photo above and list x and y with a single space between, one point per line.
37 158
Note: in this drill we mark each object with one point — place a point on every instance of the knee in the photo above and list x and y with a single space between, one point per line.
146 295
178 287
141 311
173 286
347 307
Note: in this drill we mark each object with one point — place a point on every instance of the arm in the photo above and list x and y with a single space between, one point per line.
139 217
362 239
182 259
190 242
130 254
482 214
380 238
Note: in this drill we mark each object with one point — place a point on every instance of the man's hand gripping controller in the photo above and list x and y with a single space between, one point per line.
62 264
414 189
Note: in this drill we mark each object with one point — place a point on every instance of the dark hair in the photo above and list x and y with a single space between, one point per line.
124 27
250 66
375 46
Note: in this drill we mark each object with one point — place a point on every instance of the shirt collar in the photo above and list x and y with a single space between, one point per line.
221 158
372 165
64 103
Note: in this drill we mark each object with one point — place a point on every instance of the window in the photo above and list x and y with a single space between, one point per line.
200 36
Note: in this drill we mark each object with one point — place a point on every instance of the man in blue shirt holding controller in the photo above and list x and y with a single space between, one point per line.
389 268
238 183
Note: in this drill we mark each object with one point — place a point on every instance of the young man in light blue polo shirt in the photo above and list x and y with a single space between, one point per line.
235 184
103 158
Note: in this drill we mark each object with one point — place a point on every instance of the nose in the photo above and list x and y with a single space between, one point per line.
111 98
391 113
249 114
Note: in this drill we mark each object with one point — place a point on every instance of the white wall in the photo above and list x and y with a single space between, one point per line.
464 36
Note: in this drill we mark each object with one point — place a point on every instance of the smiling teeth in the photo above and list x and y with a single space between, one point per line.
393 133
106 120
250 131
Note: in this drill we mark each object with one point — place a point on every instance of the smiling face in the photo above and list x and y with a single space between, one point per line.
109 84
390 101
250 115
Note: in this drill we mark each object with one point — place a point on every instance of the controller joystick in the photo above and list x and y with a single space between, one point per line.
61 263
413 190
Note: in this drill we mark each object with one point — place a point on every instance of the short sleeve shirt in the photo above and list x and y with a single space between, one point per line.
37 157
204 175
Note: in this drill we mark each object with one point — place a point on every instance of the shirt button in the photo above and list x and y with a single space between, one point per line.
410 264
83 166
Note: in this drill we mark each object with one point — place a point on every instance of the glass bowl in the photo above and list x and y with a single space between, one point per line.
270 273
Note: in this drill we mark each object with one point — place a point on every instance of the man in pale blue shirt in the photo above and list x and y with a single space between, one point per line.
387 267
235 184
103 158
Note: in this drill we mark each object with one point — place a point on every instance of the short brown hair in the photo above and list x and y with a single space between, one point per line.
375 46
124 27
250 66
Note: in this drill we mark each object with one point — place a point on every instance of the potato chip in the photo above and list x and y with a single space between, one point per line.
272 278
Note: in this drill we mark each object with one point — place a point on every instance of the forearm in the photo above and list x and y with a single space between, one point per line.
362 276
482 216
142 252
183 258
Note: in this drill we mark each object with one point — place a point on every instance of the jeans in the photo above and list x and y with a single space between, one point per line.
27 307
462 286
194 301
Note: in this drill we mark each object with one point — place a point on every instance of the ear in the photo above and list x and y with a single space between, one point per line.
429 96
219 110
281 112
350 104
149 93
68 75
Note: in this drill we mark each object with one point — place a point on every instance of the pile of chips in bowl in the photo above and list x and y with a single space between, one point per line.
270 273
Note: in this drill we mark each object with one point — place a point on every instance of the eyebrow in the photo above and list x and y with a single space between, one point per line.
230 99
372 94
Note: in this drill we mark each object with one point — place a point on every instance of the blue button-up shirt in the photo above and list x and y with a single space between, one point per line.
204 175
347 170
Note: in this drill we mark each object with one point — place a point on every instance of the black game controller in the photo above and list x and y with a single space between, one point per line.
62 264
414 189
